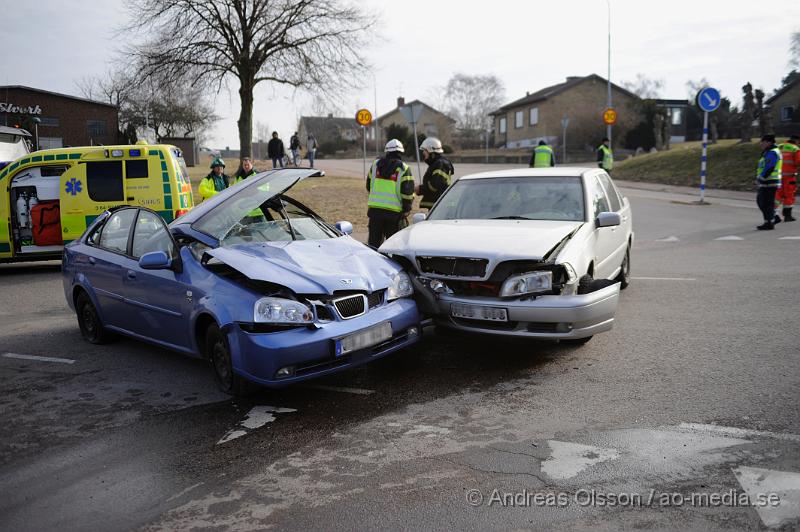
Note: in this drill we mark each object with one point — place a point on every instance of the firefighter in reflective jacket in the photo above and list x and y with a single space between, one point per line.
605 157
543 156
391 193
438 175
768 179
789 165
215 181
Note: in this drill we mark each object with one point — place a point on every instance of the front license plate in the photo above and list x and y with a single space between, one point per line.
478 312
364 339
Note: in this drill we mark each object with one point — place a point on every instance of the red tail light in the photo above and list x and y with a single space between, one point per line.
180 212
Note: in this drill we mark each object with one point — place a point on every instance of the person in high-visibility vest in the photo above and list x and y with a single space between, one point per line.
216 181
245 170
768 179
439 174
790 162
605 157
391 193
543 156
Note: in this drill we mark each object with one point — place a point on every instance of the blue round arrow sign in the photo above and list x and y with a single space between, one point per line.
708 99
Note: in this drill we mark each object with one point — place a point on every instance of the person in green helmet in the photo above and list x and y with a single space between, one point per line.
215 181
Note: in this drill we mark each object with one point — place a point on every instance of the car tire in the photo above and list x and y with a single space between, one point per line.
624 277
576 341
219 355
92 329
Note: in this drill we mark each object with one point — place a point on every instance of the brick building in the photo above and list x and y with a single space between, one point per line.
65 120
432 123
784 109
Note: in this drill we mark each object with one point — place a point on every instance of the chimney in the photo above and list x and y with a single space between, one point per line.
401 101
527 93
330 115
571 78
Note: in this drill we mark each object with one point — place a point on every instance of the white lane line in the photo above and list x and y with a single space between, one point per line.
729 237
789 238
343 389
257 417
663 279
740 433
38 358
783 485
668 239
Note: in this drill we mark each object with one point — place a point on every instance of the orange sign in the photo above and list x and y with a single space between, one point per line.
364 117
610 116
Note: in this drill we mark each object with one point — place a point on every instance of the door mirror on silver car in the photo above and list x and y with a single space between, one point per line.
345 227
418 217
608 219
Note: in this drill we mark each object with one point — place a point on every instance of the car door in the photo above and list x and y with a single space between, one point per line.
156 299
606 238
105 263
620 233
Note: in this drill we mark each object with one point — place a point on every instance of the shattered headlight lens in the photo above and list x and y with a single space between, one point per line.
278 310
527 283
400 286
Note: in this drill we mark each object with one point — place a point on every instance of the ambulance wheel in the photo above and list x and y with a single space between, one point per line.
219 354
92 329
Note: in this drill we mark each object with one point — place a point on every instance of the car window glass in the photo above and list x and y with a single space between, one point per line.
611 193
135 168
116 230
599 200
278 221
104 181
151 234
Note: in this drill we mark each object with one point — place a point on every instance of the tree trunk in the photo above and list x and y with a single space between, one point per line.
714 129
245 121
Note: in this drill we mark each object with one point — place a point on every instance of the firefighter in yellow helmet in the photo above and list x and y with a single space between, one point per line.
438 175
215 181
391 193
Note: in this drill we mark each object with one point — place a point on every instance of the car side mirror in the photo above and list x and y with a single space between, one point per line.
155 260
418 217
345 227
608 219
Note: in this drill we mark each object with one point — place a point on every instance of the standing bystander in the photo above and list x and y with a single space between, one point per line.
275 150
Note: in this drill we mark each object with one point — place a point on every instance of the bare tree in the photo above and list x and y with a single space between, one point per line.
748 112
693 87
308 44
644 87
470 99
794 49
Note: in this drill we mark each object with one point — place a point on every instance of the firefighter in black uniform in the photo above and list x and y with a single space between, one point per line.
437 177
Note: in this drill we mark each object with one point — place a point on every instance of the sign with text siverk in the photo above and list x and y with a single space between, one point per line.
6 107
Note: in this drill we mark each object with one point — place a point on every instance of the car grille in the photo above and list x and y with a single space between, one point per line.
453 266
375 298
351 306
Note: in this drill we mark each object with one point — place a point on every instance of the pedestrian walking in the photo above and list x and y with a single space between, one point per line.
391 193
294 147
245 170
605 157
438 175
311 149
768 179
275 150
542 156
216 181
790 162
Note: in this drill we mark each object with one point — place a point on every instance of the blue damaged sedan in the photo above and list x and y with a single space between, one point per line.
251 280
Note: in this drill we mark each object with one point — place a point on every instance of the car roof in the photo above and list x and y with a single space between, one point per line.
553 171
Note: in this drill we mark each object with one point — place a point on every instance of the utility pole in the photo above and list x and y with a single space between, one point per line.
608 80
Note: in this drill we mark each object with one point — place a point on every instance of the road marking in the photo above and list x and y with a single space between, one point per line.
668 239
760 483
729 237
789 238
257 417
739 433
663 279
39 359
343 389
568 459
427 430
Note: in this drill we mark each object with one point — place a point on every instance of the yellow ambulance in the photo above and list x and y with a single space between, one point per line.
49 197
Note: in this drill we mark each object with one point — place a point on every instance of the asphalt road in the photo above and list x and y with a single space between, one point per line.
694 393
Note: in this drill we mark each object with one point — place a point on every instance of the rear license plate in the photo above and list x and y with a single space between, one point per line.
364 339
478 312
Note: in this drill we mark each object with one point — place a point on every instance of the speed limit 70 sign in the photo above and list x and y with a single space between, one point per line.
364 117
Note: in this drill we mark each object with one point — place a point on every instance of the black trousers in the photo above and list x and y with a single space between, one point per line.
765 199
382 225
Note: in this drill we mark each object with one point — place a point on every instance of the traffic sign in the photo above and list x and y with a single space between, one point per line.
708 99
364 117
610 116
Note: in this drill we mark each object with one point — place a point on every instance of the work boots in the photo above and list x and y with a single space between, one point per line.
787 215
776 220
766 226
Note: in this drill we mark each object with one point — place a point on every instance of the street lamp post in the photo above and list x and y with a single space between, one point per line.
608 80
36 122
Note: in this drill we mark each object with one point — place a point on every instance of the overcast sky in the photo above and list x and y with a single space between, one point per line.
50 44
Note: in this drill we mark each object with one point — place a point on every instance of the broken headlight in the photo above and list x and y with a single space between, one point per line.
279 310
527 283
400 286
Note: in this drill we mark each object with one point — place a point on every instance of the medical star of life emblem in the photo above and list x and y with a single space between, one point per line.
74 187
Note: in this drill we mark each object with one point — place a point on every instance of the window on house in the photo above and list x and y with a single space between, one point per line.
96 128
534 118
677 116
787 113
49 121
518 119
502 125
431 130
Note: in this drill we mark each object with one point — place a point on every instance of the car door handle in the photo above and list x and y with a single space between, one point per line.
92 260
131 274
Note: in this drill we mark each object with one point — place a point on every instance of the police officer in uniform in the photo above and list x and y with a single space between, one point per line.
768 179
391 193
216 181
543 156
438 175
605 157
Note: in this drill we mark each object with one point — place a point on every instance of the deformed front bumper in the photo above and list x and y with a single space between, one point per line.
551 316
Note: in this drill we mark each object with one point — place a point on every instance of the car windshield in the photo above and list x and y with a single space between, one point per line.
512 198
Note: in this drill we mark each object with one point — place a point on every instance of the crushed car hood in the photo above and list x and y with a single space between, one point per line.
311 266
496 240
